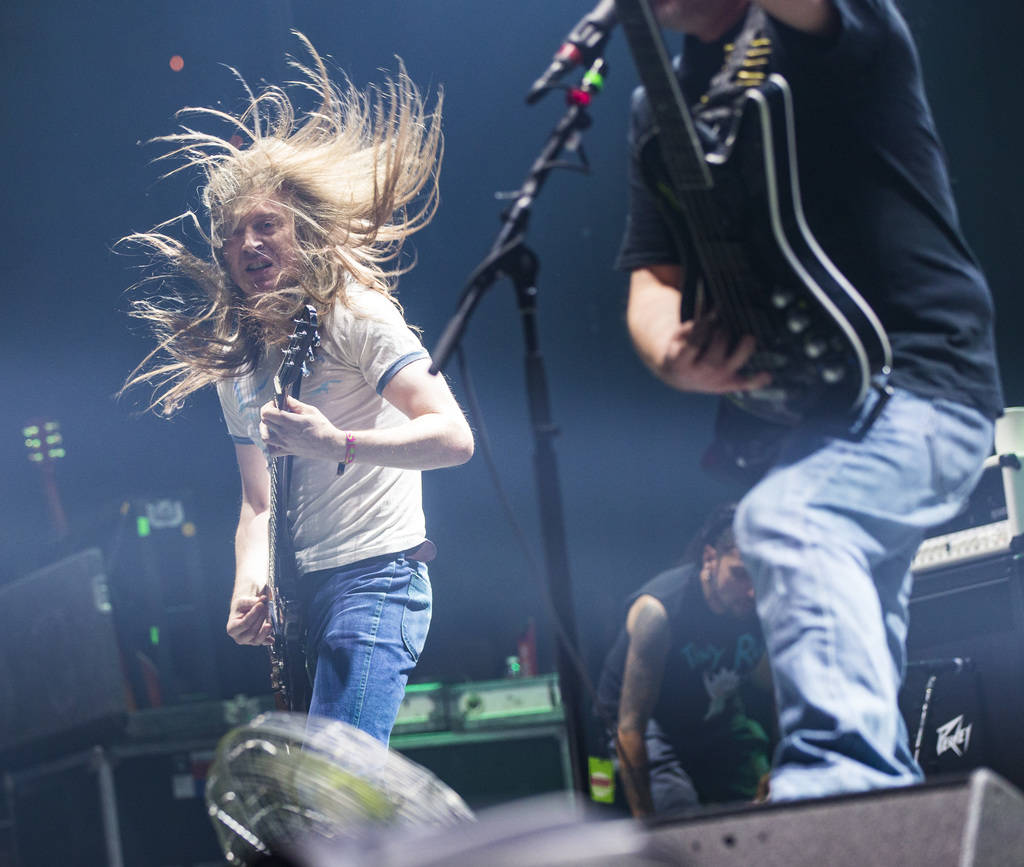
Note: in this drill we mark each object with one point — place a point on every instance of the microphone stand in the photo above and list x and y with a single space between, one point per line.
510 257
934 667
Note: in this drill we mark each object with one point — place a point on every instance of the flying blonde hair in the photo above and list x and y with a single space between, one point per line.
359 174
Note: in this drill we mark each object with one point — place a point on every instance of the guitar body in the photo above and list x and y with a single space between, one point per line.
762 272
288 675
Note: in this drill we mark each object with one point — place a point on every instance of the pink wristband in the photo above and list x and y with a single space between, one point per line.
350 448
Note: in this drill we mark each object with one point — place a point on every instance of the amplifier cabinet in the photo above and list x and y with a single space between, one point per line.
140 806
971 612
514 701
60 667
495 765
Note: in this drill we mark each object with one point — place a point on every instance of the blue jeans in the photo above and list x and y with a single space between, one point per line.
367 623
717 767
828 535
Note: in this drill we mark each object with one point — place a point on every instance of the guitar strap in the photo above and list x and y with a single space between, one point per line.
746 64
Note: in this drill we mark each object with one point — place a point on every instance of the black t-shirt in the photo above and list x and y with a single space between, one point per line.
875 191
710 657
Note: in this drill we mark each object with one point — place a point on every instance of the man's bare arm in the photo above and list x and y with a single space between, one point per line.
436 433
247 617
647 626
816 17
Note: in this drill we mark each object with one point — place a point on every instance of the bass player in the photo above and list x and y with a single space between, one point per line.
313 210
832 521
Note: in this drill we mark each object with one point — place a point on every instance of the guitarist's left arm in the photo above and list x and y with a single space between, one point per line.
435 435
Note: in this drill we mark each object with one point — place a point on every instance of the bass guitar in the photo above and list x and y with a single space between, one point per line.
287 657
734 202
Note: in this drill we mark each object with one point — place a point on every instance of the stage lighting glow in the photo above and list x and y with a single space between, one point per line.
43 441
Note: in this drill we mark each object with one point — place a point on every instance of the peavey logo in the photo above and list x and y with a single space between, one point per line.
954 736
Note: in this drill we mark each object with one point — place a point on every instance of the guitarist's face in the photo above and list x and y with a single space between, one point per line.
705 19
726 583
261 248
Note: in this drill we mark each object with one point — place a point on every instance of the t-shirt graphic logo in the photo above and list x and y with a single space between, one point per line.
322 387
954 736
720 686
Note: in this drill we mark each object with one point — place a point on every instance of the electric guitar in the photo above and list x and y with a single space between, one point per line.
287 657
734 201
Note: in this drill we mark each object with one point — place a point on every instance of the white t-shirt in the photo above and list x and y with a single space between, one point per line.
367 511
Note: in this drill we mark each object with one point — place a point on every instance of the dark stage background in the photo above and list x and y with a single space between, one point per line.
84 84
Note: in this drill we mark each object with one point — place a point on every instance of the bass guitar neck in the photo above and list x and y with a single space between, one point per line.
288 676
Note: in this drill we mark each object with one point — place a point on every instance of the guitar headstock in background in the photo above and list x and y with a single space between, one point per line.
45 446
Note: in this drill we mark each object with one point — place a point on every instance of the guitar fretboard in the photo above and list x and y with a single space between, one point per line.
681 149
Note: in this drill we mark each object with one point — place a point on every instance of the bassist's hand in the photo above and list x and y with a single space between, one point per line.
681 353
695 359
248 619
299 429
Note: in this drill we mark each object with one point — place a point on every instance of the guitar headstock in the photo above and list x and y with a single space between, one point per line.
300 352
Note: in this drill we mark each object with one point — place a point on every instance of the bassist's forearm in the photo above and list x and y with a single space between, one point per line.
652 314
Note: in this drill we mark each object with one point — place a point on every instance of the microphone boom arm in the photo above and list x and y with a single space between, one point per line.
500 260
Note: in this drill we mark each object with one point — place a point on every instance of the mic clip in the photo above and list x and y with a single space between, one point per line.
584 45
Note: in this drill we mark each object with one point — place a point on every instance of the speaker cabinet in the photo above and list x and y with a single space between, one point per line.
494 766
60 669
118 806
973 613
972 822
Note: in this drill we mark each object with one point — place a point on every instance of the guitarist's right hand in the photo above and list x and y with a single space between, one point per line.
697 358
248 619
682 354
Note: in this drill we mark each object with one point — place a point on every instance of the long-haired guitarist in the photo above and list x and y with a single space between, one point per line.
311 210
817 274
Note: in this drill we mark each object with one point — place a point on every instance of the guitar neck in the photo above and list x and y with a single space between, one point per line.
278 468
680 146
287 665
275 521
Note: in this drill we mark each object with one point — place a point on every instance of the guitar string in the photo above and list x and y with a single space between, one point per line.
724 286
728 273
304 339
646 42
724 273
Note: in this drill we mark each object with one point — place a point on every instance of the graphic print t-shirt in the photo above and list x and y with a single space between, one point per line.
710 657
367 511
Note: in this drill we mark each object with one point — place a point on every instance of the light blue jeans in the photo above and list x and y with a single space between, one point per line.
828 535
367 624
